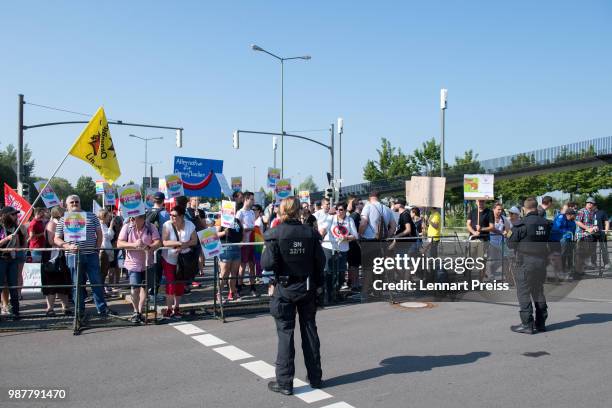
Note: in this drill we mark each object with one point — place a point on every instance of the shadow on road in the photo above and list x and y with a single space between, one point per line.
585 318
407 364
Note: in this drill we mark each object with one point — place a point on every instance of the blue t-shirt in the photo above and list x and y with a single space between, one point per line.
562 229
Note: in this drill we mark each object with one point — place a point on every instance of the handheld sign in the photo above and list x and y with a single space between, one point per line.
225 188
478 186
130 201
283 189
425 191
75 226
209 240
109 194
100 186
150 192
48 195
305 197
228 213
174 186
273 176
236 183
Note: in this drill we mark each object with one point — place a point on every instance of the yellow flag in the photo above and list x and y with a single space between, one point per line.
95 146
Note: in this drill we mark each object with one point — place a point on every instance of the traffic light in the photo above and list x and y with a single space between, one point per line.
329 193
236 139
179 137
26 191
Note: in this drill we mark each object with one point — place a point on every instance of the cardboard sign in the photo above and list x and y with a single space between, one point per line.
109 194
228 213
236 183
174 186
282 189
260 198
425 191
478 186
130 201
273 176
209 240
75 226
48 195
31 277
304 197
225 188
149 193
100 186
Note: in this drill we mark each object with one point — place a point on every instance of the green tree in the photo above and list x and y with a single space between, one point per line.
8 167
468 164
522 160
427 159
86 190
62 187
392 162
308 185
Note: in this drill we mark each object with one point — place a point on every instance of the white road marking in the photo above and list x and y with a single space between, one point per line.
261 368
188 329
232 353
208 340
309 395
340 404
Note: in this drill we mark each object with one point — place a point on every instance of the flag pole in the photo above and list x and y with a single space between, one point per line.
27 214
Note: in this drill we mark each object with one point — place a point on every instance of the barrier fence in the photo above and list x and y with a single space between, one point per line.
565 270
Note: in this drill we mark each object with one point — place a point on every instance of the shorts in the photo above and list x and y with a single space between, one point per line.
136 278
247 253
175 289
230 254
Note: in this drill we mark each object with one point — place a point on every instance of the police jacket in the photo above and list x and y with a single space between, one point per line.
530 235
294 249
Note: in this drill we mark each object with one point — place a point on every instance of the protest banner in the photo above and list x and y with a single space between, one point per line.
282 189
425 191
100 186
209 240
225 188
12 199
174 186
50 199
95 207
198 176
109 194
130 201
236 183
228 213
149 193
75 226
31 277
273 176
304 197
478 186
260 198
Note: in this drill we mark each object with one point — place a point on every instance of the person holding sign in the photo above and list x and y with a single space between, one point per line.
80 234
10 238
479 225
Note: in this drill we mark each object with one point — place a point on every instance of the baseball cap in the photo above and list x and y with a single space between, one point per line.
159 196
570 211
591 200
8 210
514 210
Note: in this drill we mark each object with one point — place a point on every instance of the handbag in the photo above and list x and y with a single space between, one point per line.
187 263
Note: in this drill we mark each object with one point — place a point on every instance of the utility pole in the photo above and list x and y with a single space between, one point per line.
443 99
20 148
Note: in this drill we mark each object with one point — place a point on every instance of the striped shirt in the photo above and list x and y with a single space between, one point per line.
89 245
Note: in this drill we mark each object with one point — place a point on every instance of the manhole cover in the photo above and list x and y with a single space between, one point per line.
414 305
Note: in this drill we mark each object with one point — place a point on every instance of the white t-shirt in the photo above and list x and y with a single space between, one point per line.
335 229
247 218
171 255
373 213
322 218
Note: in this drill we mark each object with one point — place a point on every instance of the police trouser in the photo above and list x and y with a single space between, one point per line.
530 275
283 305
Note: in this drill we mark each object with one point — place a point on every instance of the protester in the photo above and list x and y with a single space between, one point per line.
354 208
84 256
54 270
322 214
603 225
247 219
562 238
198 217
106 256
501 230
139 238
157 216
179 234
479 225
36 234
586 231
336 233
114 272
515 216
229 259
376 219
10 238
406 230
307 218
547 202
415 213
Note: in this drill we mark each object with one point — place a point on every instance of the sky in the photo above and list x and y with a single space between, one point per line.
520 76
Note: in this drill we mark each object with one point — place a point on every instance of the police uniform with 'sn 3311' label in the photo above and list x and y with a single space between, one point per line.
529 238
293 251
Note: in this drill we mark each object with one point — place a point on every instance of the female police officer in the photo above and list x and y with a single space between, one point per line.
293 251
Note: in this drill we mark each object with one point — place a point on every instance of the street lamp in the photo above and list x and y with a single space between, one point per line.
443 105
274 146
340 132
282 61
146 140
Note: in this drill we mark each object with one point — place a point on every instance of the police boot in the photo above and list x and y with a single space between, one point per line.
523 328
276 387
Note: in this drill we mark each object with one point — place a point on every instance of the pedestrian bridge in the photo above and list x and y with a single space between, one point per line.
574 156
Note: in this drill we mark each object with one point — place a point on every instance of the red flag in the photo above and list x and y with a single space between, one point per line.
11 198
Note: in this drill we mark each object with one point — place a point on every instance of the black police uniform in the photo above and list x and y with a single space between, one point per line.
293 251
529 238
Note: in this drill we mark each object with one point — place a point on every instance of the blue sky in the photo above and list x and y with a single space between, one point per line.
521 76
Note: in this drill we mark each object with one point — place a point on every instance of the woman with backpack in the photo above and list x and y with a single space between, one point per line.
229 259
139 239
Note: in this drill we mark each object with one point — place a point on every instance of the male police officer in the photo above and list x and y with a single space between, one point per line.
529 238
293 251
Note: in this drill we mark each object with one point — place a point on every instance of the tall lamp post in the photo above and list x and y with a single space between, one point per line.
340 132
274 147
146 140
282 61
443 104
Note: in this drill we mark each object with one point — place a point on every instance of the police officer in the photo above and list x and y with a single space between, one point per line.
293 251
529 238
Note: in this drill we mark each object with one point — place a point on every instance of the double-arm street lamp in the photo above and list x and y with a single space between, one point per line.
282 61
146 140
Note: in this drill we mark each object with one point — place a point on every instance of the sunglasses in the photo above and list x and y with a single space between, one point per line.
339 209
73 202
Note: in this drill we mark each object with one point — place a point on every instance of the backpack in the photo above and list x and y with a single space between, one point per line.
382 230
153 217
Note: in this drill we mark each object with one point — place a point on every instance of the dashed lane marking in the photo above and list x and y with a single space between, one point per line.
208 340
260 368
189 329
232 353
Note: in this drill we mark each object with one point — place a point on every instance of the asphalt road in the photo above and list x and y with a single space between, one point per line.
374 355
